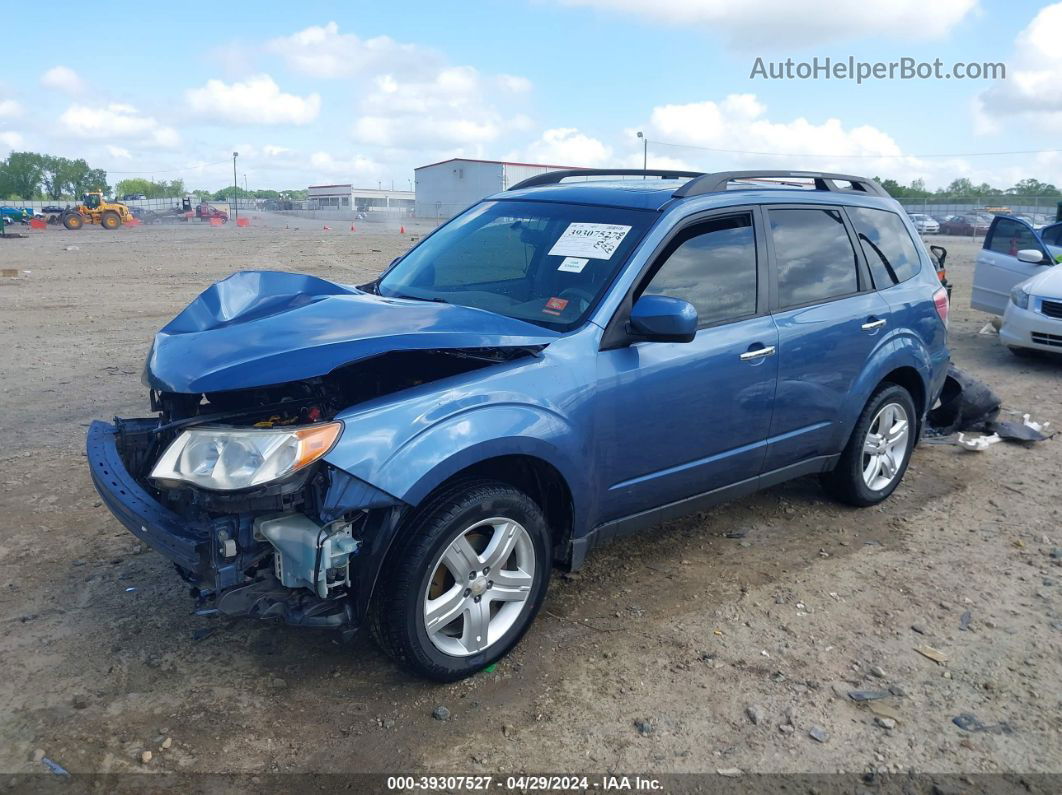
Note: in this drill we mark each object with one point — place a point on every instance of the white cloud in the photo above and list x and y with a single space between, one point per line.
65 79
10 109
257 100
566 146
356 168
117 122
1033 86
10 141
738 133
794 23
322 51
119 152
453 107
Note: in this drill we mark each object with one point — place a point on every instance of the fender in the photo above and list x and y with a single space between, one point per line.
899 348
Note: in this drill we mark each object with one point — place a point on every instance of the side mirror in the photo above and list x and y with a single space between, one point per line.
1031 255
940 253
659 318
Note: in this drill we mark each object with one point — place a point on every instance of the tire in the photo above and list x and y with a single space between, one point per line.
863 479
73 221
110 220
482 512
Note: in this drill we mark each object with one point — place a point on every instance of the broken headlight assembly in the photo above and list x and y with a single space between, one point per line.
229 459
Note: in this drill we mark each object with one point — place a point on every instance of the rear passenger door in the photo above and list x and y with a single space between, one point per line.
829 321
998 268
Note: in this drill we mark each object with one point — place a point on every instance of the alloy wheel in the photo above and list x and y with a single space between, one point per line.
479 586
885 446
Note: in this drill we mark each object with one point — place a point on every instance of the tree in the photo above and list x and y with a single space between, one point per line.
23 172
1033 187
150 188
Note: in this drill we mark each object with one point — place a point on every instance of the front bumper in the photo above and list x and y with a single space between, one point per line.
1028 328
183 542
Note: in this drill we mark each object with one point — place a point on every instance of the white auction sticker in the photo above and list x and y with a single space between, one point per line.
573 264
596 241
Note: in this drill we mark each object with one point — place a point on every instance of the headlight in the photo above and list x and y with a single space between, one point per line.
1019 297
225 459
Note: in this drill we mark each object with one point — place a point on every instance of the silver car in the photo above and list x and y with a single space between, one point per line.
925 224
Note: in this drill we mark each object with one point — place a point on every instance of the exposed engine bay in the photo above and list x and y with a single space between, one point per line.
286 548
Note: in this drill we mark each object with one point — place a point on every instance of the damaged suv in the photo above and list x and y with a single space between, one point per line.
572 360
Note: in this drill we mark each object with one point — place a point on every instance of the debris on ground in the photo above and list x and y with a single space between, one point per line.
868 695
1018 431
979 443
935 655
964 621
55 767
644 726
440 713
966 404
970 723
818 734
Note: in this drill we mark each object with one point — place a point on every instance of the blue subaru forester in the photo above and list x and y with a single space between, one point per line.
574 359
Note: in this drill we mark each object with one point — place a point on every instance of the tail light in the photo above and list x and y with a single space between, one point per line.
940 301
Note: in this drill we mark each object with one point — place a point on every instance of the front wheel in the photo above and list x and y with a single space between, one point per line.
467 582
879 450
73 221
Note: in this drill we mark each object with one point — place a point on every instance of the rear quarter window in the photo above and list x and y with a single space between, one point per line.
890 252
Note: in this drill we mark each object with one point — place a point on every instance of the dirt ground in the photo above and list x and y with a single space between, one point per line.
683 650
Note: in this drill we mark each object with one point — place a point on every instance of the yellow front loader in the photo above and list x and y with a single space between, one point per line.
94 209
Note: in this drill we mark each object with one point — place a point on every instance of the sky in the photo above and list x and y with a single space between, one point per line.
322 92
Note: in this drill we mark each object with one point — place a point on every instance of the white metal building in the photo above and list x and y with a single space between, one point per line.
445 189
347 197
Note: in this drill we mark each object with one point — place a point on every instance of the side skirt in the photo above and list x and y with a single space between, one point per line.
635 523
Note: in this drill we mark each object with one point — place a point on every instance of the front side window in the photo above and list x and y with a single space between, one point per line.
887 245
543 262
713 266
1009 237
814 256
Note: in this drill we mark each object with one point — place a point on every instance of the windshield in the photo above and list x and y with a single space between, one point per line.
543 262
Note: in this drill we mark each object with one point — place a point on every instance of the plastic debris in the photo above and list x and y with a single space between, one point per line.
977 444
131 589
966 404
964 621
868 695
935 655
55 767
989 330
970 723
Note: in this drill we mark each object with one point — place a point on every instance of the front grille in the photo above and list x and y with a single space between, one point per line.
1051 308
1047 339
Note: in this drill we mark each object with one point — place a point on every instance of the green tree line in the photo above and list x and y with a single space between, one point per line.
965 187
28 175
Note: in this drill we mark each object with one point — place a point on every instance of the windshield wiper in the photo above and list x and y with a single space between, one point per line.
433 299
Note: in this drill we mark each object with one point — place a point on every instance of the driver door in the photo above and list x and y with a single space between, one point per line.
679 419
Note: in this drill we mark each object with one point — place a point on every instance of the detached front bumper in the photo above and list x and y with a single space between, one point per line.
185 543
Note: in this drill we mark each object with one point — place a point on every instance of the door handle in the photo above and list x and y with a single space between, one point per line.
759 353
870 325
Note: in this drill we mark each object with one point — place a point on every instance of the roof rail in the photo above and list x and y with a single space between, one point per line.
554 177
719 181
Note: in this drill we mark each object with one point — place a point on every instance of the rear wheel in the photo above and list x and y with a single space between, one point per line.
876 458
73 221
110 220
465 586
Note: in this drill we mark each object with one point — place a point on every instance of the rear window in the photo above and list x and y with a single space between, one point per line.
814 255
887 245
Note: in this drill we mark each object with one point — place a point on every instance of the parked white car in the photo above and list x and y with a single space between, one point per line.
1012 252
1033 317
925 224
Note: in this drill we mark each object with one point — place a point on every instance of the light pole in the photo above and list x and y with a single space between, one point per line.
645 152
235 189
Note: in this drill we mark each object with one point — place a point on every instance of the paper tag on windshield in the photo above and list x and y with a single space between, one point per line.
596 241
573 264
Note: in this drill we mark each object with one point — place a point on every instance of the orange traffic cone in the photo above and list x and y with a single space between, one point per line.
401 230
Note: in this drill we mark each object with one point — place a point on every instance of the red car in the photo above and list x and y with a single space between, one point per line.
967 225
204 212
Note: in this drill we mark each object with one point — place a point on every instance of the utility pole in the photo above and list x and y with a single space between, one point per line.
235 189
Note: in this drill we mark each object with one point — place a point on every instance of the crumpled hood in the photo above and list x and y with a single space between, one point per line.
258 328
